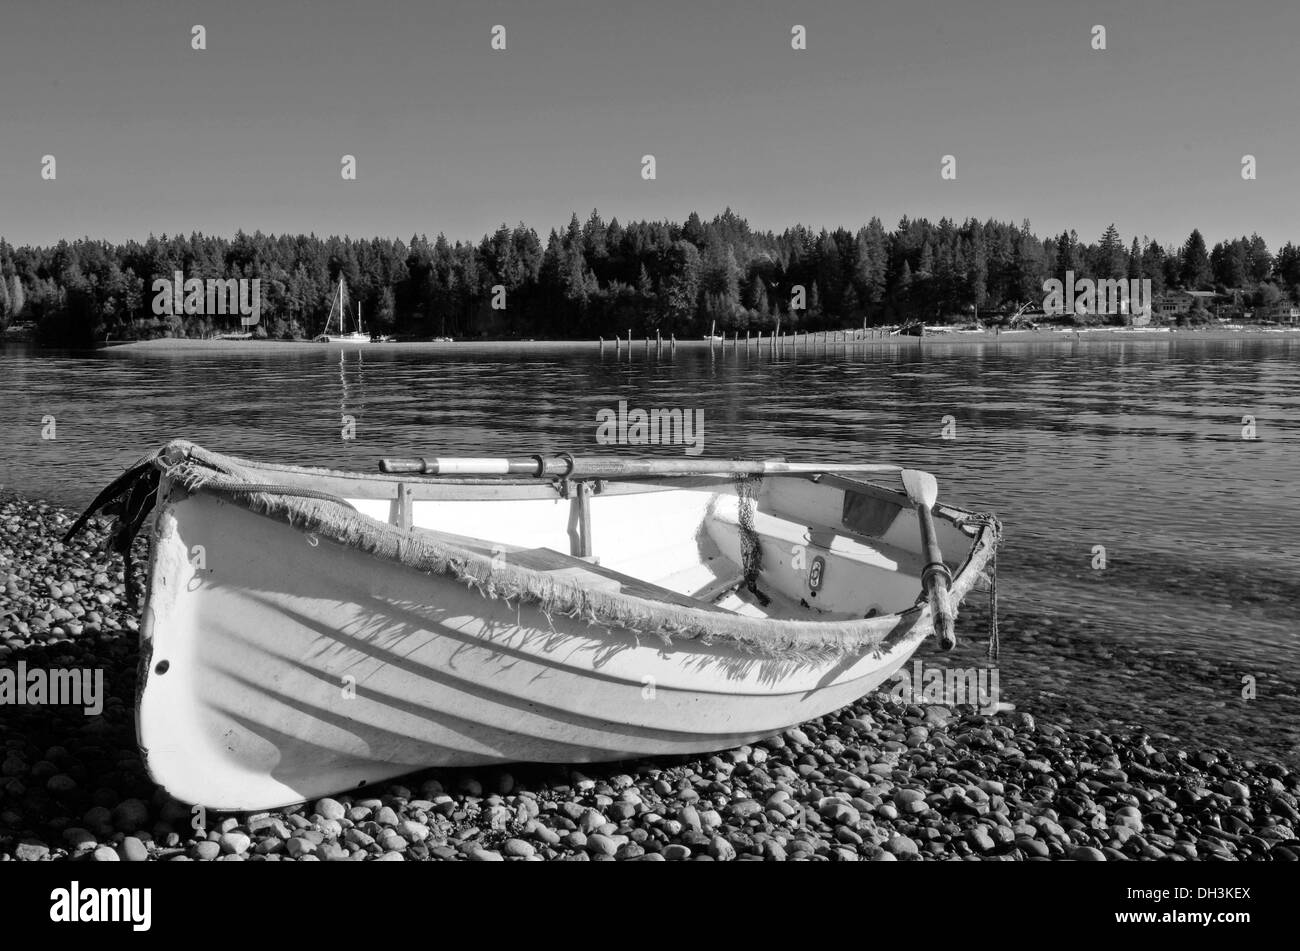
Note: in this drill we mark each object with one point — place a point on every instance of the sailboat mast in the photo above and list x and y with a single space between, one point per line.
330 318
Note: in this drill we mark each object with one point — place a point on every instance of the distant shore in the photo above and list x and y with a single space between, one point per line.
831 339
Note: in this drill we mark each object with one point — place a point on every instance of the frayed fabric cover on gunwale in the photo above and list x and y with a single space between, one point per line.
252 485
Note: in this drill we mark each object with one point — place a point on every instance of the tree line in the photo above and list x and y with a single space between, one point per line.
598 278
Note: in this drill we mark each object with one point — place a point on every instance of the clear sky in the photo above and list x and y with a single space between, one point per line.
152 136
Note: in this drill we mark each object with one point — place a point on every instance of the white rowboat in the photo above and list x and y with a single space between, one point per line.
309 631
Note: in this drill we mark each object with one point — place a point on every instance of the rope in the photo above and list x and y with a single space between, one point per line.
751 548
271 488
128 499
195 476
990 520
995 646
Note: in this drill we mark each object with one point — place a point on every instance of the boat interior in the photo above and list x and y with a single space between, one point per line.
830 547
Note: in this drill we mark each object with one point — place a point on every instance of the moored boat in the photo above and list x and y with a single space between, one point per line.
309 630
343 336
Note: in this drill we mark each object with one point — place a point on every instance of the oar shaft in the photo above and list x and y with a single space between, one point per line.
611 467
935 579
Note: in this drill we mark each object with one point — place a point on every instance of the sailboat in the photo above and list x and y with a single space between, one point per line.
357 336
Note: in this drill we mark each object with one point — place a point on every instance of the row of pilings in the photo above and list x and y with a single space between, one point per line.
776 343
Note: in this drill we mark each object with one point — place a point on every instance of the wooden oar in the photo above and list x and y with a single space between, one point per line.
923 491
614 467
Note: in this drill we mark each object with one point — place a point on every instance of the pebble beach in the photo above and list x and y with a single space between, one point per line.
881 780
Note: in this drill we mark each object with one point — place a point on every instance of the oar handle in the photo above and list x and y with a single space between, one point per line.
467 465
935 578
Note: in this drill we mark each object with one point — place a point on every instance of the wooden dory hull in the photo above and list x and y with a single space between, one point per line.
278 667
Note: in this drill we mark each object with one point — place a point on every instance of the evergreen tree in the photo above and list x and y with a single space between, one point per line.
849 305
903 287
1030 268
721 278
683 284
830 271
1195 271
925 268
1287 268
1153 267
17 300
1228 264
644 286
1259 263
594 248
385 315
1069 257
871 265
575 276
972 278
693 230
1173 267
1112 263
758 295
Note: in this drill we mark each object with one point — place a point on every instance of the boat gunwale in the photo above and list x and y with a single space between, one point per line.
335 520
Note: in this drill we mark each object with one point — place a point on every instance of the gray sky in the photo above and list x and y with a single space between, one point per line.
451 136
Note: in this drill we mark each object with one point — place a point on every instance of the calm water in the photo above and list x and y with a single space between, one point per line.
1134 446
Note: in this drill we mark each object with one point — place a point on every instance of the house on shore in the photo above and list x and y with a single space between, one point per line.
1231 305
1171 305
1283 311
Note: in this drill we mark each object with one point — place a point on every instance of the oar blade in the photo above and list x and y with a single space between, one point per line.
922 488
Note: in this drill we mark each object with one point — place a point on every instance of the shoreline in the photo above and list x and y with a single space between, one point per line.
831 340
880 780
